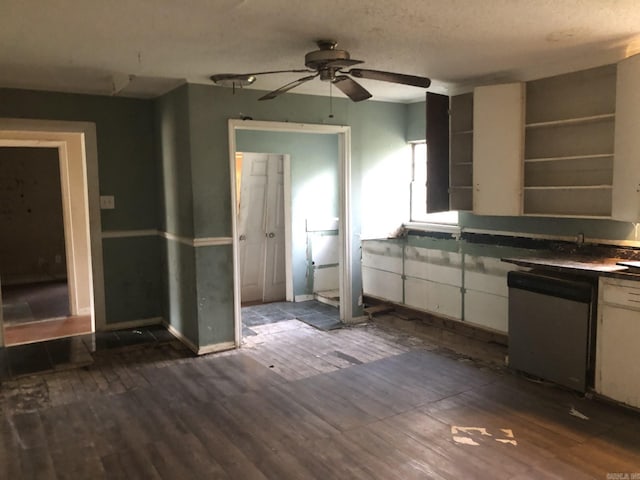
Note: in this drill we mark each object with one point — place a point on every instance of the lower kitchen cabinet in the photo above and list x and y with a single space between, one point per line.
618 341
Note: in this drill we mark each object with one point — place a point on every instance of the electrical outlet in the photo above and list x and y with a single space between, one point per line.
58 258
107 202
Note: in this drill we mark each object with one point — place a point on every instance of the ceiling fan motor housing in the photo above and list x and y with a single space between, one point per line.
320 58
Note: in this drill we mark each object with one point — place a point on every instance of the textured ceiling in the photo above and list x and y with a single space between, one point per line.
143 48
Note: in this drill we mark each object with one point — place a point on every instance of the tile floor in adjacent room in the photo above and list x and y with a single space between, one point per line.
312 312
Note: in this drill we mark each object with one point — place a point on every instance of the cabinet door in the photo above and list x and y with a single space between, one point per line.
626 162
437 136
617 366
498 149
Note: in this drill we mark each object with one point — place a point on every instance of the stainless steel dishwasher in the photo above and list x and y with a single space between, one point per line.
551 327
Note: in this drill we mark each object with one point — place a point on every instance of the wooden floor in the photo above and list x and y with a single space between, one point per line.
296 403
29 332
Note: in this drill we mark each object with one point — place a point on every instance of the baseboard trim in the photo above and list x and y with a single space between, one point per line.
462 327
144 322
303 298
186 342
216 347
326 301
213 348
356 320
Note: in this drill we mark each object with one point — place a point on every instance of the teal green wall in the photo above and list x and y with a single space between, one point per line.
128 170
215 294
381 166
180 307
125 136
416 121
591 228
174 145
178 260
132 278
378 132
314 185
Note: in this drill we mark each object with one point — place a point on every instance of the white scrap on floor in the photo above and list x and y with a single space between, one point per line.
470 431
576 413
464 440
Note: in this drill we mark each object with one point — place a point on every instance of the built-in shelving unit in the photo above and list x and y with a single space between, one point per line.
569 144
461 152
626 172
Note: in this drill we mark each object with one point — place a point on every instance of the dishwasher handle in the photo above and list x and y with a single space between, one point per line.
553 286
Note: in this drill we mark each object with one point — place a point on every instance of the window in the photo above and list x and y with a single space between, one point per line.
419 190
418 181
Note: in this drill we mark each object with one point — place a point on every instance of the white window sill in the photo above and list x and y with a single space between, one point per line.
433 227
446 222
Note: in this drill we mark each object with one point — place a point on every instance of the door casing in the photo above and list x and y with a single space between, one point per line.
77 150
344 193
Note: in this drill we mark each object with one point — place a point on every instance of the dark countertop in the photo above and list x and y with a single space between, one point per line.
576 265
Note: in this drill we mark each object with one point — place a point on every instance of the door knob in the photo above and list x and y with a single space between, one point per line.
271 234
243 237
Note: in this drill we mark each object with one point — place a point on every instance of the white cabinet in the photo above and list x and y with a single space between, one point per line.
498 149
562 146
618 341
626 168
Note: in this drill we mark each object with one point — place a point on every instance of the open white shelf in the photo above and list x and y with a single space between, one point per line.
569 144
461 152
571 121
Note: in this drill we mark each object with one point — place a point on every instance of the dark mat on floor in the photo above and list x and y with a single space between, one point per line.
321 321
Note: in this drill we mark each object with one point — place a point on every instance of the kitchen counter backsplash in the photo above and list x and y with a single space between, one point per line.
555 247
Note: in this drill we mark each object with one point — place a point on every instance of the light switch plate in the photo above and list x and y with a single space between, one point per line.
107 202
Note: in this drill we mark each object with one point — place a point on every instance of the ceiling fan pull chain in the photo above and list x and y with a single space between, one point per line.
330 99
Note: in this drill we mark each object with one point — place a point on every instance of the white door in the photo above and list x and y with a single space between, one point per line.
274 274
261 228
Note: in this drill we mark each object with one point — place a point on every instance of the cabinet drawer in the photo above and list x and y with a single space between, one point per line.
625 296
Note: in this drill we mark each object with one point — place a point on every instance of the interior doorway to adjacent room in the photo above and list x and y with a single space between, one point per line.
62 292
316 191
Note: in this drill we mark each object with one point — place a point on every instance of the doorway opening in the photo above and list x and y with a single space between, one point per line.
33 264
262 247
301 237
57 290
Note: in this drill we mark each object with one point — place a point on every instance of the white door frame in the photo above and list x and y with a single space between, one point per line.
77 150
344 229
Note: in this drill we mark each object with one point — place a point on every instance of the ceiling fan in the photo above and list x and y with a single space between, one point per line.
328 63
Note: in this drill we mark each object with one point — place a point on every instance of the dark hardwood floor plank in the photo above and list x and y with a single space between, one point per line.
183 457
419 452
129 464
36 463
219 446
301 420
76 462
336 411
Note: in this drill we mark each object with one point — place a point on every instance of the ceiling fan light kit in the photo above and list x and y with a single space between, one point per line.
233 79
327 63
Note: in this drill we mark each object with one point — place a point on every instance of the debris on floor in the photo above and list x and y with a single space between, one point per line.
576 413
463 435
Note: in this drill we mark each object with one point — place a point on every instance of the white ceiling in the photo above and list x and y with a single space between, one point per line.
96 46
